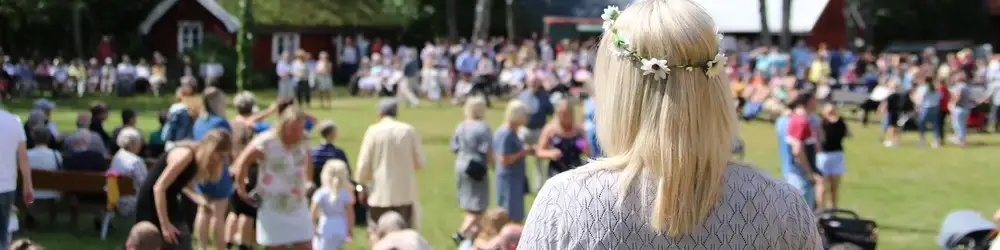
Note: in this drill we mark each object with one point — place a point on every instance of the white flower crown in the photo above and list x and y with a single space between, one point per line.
651 65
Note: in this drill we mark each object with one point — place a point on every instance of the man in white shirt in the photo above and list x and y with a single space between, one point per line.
390 156
13 158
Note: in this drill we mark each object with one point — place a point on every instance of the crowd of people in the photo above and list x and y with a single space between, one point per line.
25 76
208 178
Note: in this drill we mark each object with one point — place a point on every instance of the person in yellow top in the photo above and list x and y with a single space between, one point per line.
157 77
819 69
78 76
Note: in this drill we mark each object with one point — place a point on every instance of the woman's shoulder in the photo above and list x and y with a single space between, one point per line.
758 187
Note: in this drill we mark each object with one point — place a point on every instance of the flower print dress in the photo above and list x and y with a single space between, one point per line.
283 215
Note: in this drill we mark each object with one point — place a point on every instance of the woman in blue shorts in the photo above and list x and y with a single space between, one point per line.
211 216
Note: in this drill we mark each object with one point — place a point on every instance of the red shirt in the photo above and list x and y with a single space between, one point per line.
799 128
945 97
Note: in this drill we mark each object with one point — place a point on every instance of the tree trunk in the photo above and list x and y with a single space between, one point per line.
765 32
452 22
786 24
244 45
481 29
77 33
851 34
510 20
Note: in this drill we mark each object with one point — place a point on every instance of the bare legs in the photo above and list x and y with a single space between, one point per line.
470 223
211 219
826 191
325 98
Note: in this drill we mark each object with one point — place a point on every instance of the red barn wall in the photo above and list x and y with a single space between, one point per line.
315 43
163 34
262 53
830 28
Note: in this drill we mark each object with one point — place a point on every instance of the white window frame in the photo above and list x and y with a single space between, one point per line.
186 41
284 41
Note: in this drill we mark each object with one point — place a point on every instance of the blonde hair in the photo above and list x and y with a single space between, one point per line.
556 121
680 128
475 108
334 177
516 110
213 102
492 223
215 141
290 114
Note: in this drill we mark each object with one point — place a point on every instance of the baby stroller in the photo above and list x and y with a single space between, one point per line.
966 229
840 227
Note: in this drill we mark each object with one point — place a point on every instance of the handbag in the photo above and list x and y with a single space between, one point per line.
847 229
475 169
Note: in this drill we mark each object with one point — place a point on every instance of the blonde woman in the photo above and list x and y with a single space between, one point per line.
667 180
471 144
510 151
187 163
324 79
211 217
333 207
497 232
562 140
285 176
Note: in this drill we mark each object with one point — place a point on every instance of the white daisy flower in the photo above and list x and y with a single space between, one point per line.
689 68
618 52
610 13
716 64
657 67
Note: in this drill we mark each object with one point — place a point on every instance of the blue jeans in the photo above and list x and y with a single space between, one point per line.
801 183
959 120
929 115
6 204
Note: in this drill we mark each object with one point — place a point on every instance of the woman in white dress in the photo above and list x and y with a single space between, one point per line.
284 179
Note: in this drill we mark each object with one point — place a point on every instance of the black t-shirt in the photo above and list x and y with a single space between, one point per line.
834 134
894 103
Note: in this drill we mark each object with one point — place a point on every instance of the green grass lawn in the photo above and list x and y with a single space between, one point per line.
907 190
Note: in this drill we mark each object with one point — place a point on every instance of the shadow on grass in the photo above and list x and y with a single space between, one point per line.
906 229
115 103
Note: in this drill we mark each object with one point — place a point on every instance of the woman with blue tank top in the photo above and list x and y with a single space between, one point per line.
562 141
211 217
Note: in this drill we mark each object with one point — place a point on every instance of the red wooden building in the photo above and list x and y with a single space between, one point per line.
286 25
176 25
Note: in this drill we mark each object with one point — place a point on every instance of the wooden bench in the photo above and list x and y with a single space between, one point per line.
85 183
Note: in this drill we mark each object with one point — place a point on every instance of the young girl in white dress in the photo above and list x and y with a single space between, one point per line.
333 207
285 175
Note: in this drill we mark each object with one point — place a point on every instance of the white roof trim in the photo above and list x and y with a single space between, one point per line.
230 21
741 16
